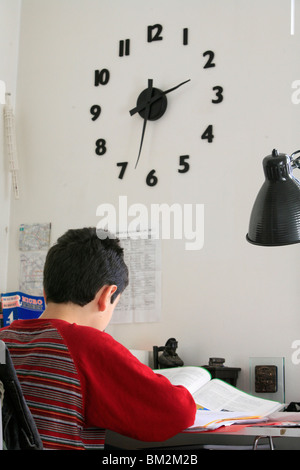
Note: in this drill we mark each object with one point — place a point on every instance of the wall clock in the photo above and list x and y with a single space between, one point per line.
151 101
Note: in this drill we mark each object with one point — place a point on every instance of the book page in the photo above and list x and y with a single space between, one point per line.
218 395
191 378
207 420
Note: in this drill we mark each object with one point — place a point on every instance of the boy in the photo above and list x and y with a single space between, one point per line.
77 380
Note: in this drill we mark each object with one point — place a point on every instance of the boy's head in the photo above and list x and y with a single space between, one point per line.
80 264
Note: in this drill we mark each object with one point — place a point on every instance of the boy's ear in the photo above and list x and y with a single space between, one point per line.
104 296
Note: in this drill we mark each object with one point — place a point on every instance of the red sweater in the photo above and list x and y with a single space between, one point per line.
79 381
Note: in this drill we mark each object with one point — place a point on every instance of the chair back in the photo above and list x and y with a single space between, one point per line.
18 429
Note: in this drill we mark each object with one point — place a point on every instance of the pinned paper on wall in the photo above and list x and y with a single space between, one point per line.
34 241
31 272
34 237
141 300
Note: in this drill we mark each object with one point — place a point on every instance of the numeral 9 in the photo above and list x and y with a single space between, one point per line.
95 111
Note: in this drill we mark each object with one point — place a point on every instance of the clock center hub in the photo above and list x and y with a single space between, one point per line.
157 103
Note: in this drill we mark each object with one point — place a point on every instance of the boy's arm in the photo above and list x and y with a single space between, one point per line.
127 397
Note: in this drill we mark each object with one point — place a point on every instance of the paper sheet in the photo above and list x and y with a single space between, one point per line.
34 241
208 420
34 237
141 300
31 272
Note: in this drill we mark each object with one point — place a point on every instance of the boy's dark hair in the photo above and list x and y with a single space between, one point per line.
82 262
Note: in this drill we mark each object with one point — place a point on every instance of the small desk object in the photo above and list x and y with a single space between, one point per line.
228 374
219 371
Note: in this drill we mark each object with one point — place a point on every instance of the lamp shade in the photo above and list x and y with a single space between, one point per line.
275 217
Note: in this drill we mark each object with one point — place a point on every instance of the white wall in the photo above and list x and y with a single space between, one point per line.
229 299
9 43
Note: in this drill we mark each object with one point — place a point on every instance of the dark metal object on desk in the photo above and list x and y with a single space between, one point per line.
219 371
216 361
169 357
266 379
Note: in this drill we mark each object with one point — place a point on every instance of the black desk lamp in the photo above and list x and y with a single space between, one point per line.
275 217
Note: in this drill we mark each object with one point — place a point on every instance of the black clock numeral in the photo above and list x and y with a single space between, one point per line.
185 36
219 94
185 165
208 134
154 33
211 56
100 147
151 179
101 77
124 47
123 166
95 111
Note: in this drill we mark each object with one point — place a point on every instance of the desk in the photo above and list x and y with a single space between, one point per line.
267 432
235 435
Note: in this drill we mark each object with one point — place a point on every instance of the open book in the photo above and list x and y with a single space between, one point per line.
219 403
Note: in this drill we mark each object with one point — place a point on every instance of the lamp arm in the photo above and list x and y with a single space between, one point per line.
296 162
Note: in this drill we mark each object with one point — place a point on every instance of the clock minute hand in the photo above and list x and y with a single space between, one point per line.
147 112
155 98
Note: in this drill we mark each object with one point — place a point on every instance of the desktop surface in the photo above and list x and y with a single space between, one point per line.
284 438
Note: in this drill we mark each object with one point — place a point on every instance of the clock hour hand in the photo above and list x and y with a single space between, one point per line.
147 112
157 97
